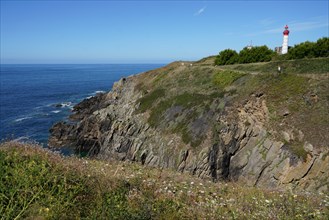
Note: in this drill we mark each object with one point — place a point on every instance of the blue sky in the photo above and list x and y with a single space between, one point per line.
57 31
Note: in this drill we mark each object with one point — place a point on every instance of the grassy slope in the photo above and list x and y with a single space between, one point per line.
302 66
38 184
302 89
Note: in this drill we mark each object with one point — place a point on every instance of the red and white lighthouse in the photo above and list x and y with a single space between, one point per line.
285 40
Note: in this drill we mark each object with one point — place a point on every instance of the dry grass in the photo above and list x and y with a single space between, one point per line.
93 189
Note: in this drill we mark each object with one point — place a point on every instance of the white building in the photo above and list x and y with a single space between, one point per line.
285 40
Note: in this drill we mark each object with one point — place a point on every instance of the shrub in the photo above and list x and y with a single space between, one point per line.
308 49
226 57
255 54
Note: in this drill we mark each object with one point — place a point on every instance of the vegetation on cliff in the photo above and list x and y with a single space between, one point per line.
307 49
39 184
245 123
193 92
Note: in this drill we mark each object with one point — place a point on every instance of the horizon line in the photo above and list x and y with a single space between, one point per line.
81 63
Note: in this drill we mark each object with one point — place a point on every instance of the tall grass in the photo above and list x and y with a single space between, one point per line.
38 184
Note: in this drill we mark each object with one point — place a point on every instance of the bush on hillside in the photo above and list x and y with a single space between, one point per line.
247 55
227 57
306 49
255 54
322 47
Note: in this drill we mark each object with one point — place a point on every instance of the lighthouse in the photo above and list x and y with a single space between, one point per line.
285 40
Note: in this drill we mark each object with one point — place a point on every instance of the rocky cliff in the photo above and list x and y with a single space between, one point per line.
256 128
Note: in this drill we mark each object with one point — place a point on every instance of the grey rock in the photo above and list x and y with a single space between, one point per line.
241 148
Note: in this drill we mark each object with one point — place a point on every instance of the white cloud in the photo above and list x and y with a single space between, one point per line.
294 26
299 26
305 26
200 11
267 21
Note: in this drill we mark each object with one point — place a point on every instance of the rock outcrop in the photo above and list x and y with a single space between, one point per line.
237 141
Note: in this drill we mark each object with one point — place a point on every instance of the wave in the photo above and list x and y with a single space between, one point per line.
93 94
57 111
22 119
63 105
22 139
97 92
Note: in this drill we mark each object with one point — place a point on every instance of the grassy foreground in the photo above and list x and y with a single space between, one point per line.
39 184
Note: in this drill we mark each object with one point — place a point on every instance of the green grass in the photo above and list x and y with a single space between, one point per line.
185 100
302 66
196 88
298 150
226 78
32 185
193 106
286 90
38 184
147 101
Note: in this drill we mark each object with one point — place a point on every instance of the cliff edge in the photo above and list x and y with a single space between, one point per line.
242 123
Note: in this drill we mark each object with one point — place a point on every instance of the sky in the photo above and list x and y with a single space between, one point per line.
87 32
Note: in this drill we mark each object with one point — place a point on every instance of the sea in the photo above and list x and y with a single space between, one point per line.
34 97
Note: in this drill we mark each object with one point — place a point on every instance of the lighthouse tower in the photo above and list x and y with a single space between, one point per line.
285 40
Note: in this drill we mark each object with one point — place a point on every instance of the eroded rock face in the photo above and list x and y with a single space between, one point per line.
241 148
257 159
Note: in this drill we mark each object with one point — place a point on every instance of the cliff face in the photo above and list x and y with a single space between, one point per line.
259 129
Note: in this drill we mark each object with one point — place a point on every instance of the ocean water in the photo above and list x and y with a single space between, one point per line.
34 97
